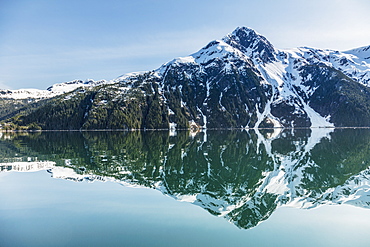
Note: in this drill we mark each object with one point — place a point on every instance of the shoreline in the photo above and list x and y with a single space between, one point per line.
188 129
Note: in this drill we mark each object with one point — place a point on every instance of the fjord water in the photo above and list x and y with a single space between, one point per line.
307 187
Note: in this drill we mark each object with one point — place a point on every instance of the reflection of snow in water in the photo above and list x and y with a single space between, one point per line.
27 166
285 181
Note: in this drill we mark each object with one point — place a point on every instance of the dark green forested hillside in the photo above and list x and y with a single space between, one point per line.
346 101
146 103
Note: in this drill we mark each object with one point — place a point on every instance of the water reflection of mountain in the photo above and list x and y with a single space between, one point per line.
240 175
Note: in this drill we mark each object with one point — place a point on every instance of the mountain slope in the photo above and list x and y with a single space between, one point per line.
24 101
241 81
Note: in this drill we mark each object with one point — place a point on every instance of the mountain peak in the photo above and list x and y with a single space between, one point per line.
246 30
252 44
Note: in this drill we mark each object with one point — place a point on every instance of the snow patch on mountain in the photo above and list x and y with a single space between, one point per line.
26 94
353 63
54 90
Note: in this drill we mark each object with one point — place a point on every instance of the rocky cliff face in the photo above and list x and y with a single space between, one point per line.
241 81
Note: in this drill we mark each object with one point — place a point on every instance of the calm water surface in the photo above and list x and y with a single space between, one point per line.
219 188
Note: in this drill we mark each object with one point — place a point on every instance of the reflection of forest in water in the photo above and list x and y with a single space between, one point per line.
240 175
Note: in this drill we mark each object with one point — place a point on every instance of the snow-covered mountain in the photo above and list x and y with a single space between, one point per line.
293 77
52 91
240 81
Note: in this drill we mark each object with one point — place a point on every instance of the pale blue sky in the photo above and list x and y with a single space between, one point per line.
43 42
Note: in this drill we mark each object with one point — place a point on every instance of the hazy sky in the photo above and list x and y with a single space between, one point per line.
43 42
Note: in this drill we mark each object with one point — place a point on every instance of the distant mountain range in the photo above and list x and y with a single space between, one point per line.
240 81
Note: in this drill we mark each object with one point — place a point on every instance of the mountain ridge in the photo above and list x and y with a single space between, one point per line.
240 81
